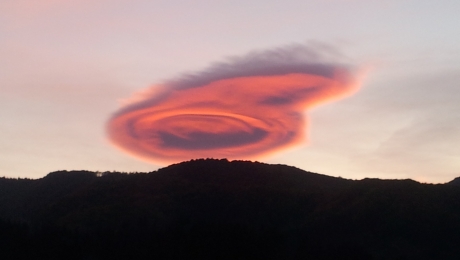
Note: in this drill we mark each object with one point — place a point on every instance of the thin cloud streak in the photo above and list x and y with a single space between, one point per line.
244 108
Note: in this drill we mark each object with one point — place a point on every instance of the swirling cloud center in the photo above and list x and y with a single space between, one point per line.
238 116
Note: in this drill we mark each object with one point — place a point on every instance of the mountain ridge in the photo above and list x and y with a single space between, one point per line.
211 208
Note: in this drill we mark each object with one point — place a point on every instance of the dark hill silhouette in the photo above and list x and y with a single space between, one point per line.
215 209
455 182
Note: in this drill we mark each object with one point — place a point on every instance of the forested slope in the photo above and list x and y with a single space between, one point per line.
217 209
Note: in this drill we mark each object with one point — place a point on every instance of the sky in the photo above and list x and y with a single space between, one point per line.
69 68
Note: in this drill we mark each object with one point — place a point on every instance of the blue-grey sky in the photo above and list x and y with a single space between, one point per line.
67 66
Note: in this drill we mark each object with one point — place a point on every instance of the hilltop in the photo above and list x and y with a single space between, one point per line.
216 209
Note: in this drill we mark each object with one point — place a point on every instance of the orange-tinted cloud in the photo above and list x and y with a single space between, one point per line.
244 108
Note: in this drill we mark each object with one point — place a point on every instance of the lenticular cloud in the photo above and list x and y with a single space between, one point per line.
243 108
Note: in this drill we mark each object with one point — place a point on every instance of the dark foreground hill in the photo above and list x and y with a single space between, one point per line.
215 209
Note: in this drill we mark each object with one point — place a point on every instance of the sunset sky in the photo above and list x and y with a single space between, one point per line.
68 67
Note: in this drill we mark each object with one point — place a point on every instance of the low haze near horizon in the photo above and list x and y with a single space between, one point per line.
67 66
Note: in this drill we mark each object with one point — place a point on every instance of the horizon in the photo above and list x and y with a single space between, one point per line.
215 159
68 69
